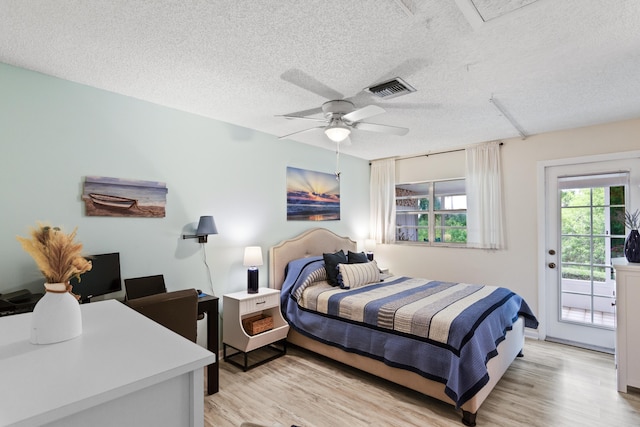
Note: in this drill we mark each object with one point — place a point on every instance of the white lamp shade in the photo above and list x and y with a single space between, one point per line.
252 256
337 133
369 245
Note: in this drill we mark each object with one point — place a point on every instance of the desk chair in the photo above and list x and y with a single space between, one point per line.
176 310
139 287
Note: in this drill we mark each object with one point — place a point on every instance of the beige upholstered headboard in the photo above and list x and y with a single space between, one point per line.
310 243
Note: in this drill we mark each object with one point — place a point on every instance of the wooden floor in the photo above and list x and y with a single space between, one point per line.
553 385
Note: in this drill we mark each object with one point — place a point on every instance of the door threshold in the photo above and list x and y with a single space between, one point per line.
581 345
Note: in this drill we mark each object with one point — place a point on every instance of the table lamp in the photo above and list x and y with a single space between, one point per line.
369 246
252 259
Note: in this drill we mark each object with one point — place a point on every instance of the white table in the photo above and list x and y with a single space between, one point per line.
240 305
123 370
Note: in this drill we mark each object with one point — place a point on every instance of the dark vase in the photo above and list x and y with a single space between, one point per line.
632 246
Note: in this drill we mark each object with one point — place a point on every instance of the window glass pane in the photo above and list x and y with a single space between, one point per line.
617 247
599 274
598 196
457 235
451 219
578 301
617 221
406 234
450 195
412 219
617 195
576 220
576 249
412 234
576 272
598 219
451 228
599 256
413 196
602 306
575 197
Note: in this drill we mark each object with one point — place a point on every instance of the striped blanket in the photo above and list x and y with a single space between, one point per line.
444 331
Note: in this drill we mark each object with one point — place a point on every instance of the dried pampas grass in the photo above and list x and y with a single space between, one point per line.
56 254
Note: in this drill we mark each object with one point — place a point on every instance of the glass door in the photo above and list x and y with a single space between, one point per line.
591 233
584 231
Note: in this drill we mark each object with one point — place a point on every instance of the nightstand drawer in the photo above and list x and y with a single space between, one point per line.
259 303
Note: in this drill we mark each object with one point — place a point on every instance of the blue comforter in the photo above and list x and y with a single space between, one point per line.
449 340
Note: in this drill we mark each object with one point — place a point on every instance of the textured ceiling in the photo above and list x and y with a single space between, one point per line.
549 64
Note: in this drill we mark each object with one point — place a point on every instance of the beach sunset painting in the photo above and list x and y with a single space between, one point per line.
104 196
312 196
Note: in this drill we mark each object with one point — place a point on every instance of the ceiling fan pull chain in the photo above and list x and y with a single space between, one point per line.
338 161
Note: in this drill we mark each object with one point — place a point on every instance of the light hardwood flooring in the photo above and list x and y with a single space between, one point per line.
552 385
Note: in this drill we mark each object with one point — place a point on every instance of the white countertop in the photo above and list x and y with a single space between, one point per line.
623 264
244 294
119 352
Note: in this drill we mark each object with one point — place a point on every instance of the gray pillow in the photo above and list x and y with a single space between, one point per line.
356 257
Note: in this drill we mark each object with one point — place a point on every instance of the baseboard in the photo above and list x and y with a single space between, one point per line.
531 334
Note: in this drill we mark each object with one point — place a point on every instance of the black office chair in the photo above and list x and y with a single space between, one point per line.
176 310
138 287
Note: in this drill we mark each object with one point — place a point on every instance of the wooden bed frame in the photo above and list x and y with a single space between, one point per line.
318 241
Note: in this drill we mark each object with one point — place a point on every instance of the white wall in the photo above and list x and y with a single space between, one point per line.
53 133
516 267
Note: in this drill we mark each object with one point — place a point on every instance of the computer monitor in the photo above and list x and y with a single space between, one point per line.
103 278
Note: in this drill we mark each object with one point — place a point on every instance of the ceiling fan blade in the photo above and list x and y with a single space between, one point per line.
301 131
373 127
309 112
363 113
290 116
305 81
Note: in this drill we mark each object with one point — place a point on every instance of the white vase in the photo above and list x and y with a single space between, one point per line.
56 317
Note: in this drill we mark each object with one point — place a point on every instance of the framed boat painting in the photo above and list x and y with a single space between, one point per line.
312 196
104 196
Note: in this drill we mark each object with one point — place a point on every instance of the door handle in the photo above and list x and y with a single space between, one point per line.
552 265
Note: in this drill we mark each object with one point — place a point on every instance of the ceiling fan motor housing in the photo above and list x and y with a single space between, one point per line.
337 108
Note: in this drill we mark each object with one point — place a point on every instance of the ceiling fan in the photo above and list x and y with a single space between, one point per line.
341 117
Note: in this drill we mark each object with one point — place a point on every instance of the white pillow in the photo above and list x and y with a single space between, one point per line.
356 275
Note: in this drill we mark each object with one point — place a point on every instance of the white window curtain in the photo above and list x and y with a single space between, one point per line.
382 196
485 218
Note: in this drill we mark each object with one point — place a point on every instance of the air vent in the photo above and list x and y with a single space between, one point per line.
391 89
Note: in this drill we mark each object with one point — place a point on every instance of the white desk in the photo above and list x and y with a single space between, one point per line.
124 370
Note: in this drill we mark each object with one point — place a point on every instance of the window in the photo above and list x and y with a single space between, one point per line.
433 212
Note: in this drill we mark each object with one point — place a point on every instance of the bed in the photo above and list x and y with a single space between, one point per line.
301 255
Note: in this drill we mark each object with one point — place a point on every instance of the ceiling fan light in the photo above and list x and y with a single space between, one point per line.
337 132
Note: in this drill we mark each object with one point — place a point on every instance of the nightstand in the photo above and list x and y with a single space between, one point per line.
242 305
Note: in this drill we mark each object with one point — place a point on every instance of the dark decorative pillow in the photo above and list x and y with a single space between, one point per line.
356 257
331 262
